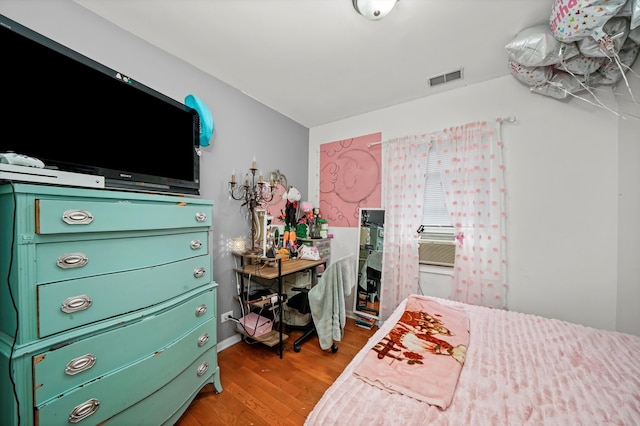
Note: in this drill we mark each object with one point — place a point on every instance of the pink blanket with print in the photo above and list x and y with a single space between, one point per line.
423 353
521 369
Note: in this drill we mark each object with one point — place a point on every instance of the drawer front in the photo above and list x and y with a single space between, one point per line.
299 279
324 248
163 407
73 216
323 244
112 393
324 253
65 305
59 370
77 259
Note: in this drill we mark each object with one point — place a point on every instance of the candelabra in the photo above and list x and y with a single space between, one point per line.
252 194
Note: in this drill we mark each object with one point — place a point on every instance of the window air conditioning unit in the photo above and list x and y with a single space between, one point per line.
437 252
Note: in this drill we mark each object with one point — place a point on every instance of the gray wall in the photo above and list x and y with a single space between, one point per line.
244 127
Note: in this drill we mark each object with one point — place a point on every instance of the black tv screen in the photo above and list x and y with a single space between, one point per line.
78 115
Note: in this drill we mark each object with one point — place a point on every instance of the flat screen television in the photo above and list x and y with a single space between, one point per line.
77 115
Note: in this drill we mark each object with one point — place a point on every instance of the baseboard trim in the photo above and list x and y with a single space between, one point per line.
228 342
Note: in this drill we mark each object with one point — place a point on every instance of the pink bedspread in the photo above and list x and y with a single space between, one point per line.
520 369
422 355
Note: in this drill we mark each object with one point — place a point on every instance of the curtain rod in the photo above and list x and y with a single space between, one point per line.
499 120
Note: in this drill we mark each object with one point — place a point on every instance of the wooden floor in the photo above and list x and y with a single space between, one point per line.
259 388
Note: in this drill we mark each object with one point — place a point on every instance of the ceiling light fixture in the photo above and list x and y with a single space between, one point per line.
373 9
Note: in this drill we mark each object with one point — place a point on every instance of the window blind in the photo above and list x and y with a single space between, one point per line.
434 208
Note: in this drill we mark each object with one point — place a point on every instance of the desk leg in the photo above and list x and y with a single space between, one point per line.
241 295
280 303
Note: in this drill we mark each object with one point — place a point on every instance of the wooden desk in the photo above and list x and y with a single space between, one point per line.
281 268
275 269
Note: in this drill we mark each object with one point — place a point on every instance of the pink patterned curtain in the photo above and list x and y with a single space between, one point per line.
472 173
404 177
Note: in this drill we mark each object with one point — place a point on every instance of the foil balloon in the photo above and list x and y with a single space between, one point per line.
531 76
626 10
559 86
536 46
612 71
617 29
631 11
635 14
572 20
581 64
562 85
635 35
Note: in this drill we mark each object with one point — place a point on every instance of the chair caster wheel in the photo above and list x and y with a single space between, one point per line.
296 348
334 348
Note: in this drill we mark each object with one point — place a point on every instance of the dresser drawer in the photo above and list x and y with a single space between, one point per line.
77 259
58 370
165 406
112 393
55 216
64 305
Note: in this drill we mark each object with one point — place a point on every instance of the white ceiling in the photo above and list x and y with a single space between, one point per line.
318 61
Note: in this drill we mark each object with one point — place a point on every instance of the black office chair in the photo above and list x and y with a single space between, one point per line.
300 302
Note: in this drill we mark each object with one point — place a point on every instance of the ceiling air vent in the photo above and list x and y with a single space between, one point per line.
445 78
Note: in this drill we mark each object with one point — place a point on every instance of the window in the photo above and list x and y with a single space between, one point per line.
436 244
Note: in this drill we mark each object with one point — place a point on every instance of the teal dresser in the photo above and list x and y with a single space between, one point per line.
107 306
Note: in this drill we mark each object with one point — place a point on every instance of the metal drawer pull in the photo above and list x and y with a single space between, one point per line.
72 260
201 217
196 244
76 303
77 217
200 310
202 340
84 410
199 272
203 368
80 364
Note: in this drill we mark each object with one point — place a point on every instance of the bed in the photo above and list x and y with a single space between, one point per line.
511 368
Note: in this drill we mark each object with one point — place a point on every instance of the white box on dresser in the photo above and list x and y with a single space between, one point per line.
107 305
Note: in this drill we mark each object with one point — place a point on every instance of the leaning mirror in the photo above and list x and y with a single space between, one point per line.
369 293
